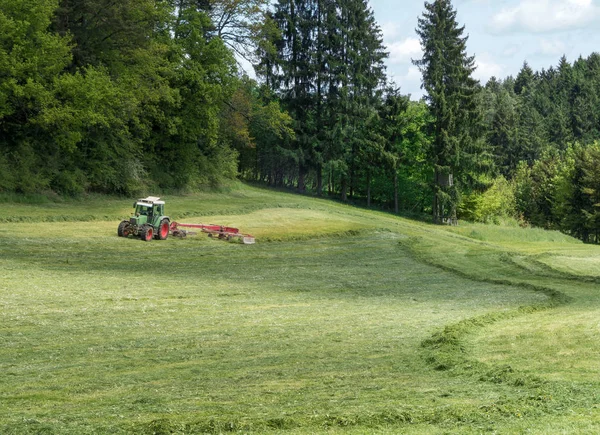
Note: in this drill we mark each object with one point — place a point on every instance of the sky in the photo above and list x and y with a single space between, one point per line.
502 35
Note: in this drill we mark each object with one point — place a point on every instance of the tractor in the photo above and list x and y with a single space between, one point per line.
148 220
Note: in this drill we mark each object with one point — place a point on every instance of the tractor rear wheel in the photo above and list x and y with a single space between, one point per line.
163 230
123 230
146 233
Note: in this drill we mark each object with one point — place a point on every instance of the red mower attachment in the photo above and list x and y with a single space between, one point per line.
219 231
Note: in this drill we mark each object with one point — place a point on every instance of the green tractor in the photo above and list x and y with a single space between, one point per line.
148 220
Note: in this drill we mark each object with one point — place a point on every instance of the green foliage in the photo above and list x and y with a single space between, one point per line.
536 190
186 146
255 126
30 59
561 191
496 204
576 205
111 97
327 74
532 123
110 34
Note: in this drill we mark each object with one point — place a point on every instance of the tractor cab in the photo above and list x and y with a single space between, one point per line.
142 209
158 209
142 214
146 209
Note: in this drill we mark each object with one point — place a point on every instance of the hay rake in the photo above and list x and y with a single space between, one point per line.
219 231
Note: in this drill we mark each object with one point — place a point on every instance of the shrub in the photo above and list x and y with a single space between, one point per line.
495 204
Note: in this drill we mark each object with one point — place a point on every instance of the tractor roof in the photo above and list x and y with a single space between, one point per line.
149 201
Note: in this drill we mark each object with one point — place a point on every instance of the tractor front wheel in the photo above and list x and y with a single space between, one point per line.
146 233
163 230
123 230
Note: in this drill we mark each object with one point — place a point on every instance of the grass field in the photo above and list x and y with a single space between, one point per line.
338 320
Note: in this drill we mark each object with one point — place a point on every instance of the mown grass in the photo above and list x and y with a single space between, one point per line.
338 320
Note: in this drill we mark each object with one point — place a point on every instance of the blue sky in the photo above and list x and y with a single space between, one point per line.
502 35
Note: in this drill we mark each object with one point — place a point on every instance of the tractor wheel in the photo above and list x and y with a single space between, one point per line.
146 233
123 230
163 230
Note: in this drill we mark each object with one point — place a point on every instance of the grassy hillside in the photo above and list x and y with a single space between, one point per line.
339 320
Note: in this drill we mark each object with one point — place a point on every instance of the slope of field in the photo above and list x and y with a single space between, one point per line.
339 320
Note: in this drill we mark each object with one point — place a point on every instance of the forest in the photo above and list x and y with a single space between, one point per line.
136 96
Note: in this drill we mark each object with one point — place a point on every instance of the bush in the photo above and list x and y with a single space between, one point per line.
497 203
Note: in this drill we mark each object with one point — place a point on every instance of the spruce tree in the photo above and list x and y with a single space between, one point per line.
502 132
558 119
393 126
295 19
330 74
525 79
365 54
585 113
451 95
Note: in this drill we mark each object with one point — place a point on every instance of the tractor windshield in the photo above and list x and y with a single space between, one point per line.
143 210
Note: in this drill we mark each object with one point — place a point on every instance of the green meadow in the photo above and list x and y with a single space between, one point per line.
338 320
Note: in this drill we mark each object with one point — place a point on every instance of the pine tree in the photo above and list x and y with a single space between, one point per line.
451 94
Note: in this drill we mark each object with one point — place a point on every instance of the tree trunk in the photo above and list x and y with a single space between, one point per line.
396 208
352 181
436 203
301 186
453 215
344 188
319 180
368 188
257 170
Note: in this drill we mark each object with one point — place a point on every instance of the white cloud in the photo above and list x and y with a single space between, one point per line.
552 47
409 82
413 75
539 16
580 2
390 31
511 50
486 68
404 51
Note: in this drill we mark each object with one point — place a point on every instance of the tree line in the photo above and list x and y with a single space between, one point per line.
146 95
522 149
544 130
